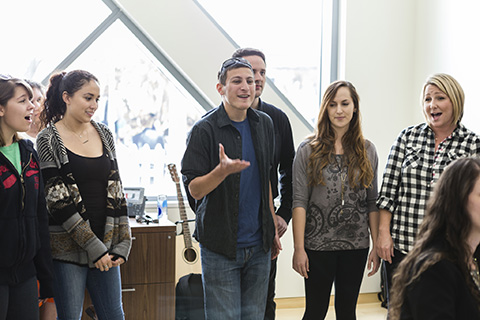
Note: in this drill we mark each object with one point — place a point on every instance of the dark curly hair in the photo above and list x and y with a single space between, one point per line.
62 82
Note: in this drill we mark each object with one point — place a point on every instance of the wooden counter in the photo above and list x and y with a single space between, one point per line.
148 277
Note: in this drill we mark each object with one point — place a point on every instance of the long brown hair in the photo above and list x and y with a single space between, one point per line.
322 142
443 232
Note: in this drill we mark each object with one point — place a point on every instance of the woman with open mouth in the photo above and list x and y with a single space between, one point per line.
415 163
25 255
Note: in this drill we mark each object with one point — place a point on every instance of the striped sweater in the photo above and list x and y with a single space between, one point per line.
71 238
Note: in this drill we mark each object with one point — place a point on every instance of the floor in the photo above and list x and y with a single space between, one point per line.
365 311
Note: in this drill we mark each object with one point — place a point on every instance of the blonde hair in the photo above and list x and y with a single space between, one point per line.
448 85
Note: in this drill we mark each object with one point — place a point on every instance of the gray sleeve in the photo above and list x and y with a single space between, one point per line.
301 190
372 192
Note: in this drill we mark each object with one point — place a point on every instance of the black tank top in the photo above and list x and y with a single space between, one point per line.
91 175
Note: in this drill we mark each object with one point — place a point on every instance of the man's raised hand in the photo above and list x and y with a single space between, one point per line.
229 166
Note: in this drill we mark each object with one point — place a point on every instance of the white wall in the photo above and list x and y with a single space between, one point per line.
447 41
390 49
379 61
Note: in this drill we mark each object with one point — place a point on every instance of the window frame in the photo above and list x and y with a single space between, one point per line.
118 14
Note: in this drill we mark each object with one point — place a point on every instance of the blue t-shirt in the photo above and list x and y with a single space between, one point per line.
249 224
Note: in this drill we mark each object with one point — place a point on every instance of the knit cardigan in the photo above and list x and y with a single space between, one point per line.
71 238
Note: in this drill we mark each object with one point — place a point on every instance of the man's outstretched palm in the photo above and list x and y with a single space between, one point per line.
229 166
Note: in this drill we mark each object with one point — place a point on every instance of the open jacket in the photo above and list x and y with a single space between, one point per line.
72 239
217 213
24 232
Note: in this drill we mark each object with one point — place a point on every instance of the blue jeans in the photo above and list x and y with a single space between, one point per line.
235 289
105 289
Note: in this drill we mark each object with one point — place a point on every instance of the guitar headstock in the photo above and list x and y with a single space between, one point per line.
173 172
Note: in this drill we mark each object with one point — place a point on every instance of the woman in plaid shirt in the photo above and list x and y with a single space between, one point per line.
416 160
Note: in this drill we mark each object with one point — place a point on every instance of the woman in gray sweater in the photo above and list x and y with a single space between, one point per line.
334 194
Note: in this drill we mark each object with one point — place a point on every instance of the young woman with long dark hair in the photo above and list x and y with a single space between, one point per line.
439 278
89 223
334 194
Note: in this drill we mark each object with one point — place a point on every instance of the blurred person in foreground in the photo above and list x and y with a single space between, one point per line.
439 278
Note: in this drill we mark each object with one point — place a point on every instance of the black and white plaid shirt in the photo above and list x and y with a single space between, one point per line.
412 169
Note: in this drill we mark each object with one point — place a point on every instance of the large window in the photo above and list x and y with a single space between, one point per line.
145 100
146 108
293 35
37 35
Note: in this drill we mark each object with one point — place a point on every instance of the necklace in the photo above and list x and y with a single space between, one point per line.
475 274
343 178
79 136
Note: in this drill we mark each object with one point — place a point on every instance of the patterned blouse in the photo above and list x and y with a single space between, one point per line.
413 167
334 221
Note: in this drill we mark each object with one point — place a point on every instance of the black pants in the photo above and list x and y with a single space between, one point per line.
390 270
345 269
271 305
19 301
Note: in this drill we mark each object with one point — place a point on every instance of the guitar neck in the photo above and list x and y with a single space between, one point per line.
187 237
